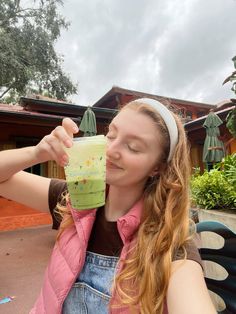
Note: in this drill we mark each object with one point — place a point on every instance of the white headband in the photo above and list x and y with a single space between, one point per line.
168 119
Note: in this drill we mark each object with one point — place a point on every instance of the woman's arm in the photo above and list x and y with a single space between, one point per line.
187 291
26 188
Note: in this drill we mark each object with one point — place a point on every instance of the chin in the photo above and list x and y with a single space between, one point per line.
111 180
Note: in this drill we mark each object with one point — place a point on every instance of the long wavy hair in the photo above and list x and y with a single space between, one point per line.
164 230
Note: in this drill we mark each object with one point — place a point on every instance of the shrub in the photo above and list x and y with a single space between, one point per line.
231 122
212 190
228 166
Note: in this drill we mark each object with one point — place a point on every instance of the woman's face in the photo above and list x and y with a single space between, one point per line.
133 149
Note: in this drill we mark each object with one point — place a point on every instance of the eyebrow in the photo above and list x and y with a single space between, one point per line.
132 136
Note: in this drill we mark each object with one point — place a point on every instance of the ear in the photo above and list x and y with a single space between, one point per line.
154 172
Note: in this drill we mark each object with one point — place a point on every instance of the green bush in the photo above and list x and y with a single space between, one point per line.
231 122
228 166
212 190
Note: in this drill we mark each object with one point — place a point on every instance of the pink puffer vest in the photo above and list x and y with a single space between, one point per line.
68 257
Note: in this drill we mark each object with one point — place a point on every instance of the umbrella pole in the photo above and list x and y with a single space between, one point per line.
209 166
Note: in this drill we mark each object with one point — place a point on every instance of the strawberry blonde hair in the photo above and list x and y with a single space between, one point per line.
164 229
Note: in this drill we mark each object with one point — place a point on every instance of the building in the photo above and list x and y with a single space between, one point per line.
26 124
117 97
197 133
193 115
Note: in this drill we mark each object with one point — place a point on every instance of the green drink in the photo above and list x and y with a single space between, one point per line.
85 173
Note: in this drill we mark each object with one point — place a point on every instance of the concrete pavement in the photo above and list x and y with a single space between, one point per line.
24 255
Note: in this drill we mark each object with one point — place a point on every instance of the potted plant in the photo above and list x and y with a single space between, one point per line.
214 192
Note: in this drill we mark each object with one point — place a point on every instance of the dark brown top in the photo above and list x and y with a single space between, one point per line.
103 229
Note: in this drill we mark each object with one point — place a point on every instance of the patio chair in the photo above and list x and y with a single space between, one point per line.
226 257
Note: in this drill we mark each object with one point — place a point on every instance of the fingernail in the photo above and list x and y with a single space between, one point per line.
75 129
65 160
68 143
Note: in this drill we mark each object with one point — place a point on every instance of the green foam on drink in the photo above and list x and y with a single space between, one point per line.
86 194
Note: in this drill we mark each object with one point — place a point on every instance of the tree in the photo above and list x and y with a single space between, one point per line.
231 117
28 60
232 77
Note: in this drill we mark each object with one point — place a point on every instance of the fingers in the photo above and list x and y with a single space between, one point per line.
70 126
52 146
65 132
60 135
56 149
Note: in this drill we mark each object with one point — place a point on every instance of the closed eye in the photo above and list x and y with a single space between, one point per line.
109 137
132 149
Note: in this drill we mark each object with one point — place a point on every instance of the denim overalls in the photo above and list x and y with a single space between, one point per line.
91 292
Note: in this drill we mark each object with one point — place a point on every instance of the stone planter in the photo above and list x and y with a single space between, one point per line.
209 239
226 217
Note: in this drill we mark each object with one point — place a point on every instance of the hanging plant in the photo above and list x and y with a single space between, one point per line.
231 122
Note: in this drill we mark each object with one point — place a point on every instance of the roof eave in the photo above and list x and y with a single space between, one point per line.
122 91
198 123
103 115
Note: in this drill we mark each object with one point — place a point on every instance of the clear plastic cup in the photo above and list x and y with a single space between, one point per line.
86 172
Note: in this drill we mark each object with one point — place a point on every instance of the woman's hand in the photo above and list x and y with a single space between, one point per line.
52 146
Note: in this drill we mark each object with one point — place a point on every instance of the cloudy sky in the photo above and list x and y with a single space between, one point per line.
181 49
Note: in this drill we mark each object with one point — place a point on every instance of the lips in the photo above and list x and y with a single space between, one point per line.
111 165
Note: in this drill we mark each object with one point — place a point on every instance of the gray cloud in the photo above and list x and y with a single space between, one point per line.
198 51
171 48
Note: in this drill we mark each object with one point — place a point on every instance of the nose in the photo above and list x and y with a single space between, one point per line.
113 150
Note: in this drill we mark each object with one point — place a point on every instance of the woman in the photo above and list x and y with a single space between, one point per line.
134 254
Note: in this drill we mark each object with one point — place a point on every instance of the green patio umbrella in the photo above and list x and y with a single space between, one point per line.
213 150
88 123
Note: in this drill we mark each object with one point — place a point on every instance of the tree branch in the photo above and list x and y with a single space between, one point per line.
7 90
229 77
18 14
